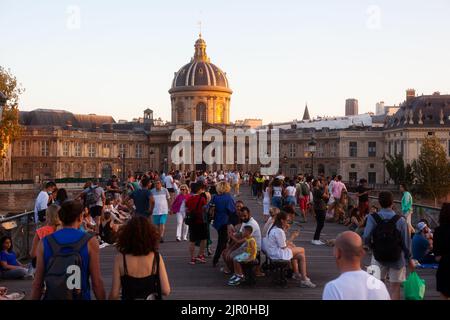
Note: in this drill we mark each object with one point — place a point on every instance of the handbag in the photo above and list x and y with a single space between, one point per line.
157 295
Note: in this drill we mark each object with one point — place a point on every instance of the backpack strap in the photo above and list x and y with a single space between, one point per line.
76 246
395 218
377 218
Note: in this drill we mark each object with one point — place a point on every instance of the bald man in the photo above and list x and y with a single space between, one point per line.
353 283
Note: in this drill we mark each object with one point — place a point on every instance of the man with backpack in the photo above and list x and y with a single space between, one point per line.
386 233
95 200
67 259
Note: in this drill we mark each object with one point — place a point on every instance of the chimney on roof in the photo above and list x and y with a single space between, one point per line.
410 95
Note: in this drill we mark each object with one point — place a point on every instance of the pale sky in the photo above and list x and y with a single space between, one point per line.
119 58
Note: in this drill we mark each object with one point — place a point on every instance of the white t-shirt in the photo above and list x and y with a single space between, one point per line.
168 180
161 205
277 191
221 177
291 191
355 285
256 231
275 245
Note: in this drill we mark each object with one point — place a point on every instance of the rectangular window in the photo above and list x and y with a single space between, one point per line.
390 148
91 150
333 150
138 152
292 150
66 146
106 150
24 148
395 147
352 176
353 148
402 147
123 149
372 178
45 148
372 149
77 149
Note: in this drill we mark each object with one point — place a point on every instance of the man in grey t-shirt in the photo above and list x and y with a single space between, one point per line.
95 200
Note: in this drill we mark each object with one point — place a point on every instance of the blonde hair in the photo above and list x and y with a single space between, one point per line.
274 211
223 187
51 215
185 186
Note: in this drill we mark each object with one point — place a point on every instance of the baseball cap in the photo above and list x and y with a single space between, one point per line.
421 225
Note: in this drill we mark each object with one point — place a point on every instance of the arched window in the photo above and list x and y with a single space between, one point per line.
321 169
201 112
180 113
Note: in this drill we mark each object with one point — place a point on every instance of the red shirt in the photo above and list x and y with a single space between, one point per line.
194 206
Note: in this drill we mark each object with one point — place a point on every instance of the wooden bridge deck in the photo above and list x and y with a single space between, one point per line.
203 282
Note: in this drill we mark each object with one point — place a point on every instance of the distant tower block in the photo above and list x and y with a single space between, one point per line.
380 108
410 95
351 107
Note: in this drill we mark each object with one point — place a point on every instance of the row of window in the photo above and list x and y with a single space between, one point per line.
371 177
106 149
353 149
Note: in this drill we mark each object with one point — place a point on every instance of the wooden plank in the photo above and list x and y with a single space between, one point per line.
203 282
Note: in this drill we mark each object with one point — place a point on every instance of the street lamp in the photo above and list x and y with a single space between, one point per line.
312 149
122 159
165 164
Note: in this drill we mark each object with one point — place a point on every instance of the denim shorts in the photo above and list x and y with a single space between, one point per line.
277 202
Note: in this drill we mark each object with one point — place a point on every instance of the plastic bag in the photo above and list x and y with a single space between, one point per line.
414 287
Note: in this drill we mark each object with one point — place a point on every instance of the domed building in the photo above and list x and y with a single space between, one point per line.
200 91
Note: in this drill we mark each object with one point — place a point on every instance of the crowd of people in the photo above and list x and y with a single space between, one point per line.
132 214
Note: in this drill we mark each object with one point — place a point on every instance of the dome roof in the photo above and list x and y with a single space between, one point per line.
200 72
424 111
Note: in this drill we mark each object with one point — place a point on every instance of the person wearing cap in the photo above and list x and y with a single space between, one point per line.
422 245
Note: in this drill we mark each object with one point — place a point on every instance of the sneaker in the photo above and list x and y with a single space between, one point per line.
161 240
307 284
297 276
193 261
233 277
236 281
317 242
184 239
201 259
178 239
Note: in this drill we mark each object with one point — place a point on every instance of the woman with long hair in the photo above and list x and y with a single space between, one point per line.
139 271
278 248
52 224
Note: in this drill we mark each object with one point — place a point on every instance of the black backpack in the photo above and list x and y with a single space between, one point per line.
92 197
64 263
386 239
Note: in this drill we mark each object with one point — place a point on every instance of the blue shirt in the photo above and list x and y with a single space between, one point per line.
8 257
225 210
141 201
66 236
420 246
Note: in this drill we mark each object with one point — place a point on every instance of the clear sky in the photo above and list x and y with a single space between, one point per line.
119 57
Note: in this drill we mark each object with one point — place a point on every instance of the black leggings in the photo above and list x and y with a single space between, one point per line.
221 243
320 217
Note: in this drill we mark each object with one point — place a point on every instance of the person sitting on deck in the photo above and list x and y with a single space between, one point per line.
250 251
277 248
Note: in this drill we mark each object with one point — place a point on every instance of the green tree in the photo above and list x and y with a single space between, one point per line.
9 122
395 166
432 170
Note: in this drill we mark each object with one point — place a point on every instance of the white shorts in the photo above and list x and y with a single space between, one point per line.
266 208
395 275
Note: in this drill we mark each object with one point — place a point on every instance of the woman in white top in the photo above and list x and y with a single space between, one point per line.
276 191
179 208
266 201
277 248
289 194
